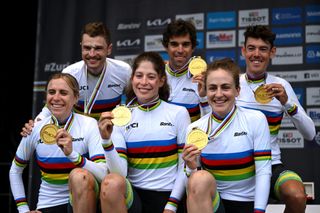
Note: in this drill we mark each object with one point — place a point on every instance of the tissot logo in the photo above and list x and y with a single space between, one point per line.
158 22
128 43
113 85
239 133
166 124
131 26
188 90
133 125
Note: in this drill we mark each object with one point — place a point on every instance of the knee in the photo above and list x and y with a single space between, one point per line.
81 179
294 191
111 186
201 182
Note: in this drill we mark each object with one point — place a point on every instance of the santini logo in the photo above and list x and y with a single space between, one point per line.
239 133
188 90
113 85
166 124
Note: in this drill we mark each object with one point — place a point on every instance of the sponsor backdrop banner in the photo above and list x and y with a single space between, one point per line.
137 25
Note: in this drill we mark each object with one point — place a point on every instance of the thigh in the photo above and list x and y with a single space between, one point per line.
231 206
56 209
133 200
153 201
281 174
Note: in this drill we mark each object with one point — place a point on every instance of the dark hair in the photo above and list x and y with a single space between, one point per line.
71 81
94 29
179 28
259 31
159 67
226 64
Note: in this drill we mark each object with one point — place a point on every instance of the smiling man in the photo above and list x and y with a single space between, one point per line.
180 40
274 97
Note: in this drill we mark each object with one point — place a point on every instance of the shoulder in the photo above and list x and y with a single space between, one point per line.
75 68
201 123
85 120
174 108
118 63
251 114
276 79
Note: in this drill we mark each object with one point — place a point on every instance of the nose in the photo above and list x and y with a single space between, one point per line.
92 52
144 80
180 48
219 92
256 52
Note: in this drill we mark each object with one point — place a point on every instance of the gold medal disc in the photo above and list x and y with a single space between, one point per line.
261 95
122 116
198 138
48 133
197 66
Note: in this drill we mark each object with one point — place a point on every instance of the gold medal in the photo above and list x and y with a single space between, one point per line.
48 133
197 66
261 95
122 116
198 138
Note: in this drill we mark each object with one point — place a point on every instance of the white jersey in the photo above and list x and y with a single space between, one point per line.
150 148
274 111
55 167
240 157
112 87
184 92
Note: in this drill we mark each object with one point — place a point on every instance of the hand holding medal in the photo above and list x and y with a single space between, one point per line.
198 138
122 116
261 95
48 134
197 66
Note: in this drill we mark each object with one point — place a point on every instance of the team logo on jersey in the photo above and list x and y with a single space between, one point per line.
165 123
240 133
133 125
114 85
188 90
77 139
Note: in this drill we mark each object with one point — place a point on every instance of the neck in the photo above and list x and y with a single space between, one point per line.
96 72
254 76
149 101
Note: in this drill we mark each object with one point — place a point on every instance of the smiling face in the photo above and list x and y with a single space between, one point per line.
60 98
221 91
179 50
146 82
94 52
258 54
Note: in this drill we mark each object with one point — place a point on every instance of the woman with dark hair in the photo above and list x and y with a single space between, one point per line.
149 146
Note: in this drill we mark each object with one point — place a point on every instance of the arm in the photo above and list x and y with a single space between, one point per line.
96 163
183 120
286 95
21 160
262 157
115 162
199 79
27 129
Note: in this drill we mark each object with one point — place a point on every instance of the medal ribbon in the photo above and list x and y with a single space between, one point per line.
255 81
180 71
155 100
68 124
222 126
88 104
